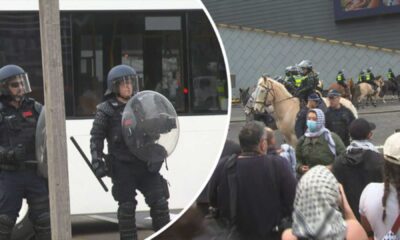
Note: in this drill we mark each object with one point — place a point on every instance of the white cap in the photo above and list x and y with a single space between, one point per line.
391 149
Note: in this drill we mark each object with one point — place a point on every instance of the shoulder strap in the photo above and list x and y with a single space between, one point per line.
396 225
230 165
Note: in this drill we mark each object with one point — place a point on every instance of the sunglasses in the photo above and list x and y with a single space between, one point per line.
16 84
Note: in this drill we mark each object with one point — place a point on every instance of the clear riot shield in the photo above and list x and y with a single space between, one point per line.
150 128
40 142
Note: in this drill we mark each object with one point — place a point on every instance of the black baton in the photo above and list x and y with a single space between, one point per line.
88 163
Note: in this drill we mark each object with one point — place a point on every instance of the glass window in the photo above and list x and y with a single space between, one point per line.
209 82
174 52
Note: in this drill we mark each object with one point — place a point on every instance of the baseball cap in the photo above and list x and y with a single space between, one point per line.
333 93
391 149
314 97
360 128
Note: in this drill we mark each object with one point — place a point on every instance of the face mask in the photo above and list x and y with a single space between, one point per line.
312 125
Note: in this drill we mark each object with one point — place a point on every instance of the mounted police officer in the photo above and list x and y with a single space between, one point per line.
128 172
291 72
391 77
361 77
18 170
340 79
370 78
309 82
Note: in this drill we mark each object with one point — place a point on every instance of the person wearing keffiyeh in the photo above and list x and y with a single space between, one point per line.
318 146
321 210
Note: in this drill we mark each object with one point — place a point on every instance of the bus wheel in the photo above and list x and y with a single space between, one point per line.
23 229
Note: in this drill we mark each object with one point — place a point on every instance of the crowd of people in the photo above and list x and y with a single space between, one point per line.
337 185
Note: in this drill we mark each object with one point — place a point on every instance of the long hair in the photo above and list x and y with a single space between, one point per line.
391 176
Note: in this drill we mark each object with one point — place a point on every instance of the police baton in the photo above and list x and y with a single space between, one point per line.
88 162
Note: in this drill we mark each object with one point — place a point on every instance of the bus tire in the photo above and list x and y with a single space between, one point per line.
23 230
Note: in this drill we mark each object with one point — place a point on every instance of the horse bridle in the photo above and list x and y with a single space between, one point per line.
272 94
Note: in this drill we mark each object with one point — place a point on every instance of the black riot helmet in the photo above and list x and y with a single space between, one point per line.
340 72
13 76
390 70
121 74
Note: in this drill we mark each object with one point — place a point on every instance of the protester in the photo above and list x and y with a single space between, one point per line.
285 152
318 146
314 101
360 165
321 210
379 202
252 193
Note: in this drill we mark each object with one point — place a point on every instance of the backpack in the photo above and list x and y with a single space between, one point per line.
391 235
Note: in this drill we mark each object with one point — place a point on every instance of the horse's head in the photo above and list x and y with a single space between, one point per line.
262 94
244 95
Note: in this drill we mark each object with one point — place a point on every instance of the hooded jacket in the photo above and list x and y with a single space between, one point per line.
356 169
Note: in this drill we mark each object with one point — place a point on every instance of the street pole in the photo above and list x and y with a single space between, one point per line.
55 119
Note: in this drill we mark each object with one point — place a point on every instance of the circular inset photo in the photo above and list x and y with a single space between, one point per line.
147 100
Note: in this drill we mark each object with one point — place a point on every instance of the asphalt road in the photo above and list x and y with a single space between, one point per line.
386 117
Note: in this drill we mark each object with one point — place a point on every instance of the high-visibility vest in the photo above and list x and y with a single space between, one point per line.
298 80
390 75
339 78
368 76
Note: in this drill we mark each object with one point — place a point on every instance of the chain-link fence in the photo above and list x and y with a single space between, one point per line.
253 52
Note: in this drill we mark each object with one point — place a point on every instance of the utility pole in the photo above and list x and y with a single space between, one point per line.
50 39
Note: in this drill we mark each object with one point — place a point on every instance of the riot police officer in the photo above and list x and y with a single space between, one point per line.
18 169
309 82
128 173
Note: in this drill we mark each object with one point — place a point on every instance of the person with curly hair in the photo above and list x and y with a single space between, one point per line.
380 202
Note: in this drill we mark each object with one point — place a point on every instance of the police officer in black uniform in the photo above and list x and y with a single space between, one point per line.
338 117
340 79
391 77
128 173
18 169
370 79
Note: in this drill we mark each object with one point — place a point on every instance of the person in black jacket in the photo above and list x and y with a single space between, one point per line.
253 192
360 165
338 117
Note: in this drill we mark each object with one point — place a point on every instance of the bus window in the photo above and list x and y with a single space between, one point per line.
175 53
209 80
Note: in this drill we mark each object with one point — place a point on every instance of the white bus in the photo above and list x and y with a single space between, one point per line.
175 50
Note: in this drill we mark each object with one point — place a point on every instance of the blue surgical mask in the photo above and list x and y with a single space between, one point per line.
312 125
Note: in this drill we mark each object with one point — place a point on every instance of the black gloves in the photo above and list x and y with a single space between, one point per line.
100 168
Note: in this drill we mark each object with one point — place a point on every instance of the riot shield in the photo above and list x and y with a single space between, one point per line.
40 142
150 128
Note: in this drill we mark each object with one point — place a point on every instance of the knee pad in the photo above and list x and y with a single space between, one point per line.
39 214
159 213
42 227
126 220
6 226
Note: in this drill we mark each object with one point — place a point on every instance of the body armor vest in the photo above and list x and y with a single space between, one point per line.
18 126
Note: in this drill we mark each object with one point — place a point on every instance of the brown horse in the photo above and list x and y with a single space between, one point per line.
286 106
365 90
345 92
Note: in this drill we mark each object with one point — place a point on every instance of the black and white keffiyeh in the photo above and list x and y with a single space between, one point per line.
316 213
362 144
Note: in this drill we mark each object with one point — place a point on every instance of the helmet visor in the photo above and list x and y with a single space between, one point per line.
20 82
131 80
